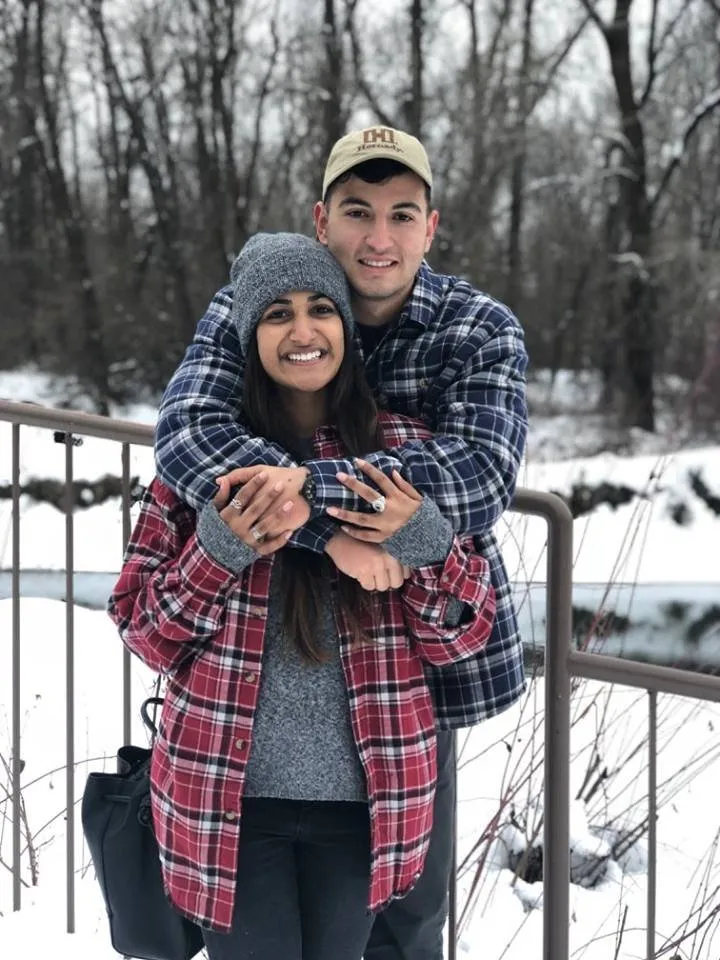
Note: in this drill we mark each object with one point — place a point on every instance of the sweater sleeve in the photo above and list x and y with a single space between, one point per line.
170 598
426 538
221 543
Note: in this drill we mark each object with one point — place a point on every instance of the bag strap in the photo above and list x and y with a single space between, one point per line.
155 701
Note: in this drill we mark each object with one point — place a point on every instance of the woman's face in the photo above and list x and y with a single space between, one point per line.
301 341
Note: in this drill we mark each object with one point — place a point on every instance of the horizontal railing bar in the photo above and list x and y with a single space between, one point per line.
646 676
74 421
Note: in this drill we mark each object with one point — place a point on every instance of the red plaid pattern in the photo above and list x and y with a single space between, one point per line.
186 616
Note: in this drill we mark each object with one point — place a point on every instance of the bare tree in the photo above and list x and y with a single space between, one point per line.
638 205
95 368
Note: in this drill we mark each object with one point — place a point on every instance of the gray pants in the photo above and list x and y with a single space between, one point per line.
412 928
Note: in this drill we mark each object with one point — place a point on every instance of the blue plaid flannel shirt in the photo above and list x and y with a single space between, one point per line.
455 358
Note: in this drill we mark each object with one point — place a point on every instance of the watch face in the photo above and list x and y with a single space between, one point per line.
308 490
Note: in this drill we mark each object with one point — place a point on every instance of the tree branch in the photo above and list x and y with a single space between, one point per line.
594 15
660 46
362 83
652 53
544 86
705 109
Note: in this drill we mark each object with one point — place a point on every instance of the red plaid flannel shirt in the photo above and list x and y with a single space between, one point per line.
202 626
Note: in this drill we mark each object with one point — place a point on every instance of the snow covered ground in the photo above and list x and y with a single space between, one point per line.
500 774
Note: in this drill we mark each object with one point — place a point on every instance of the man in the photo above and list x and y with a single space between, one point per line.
435 348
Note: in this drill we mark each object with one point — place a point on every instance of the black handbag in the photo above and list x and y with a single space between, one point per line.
117 823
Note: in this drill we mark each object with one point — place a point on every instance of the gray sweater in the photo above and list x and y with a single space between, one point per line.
302 743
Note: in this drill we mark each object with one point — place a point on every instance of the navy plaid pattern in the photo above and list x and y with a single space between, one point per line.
202 626
456 359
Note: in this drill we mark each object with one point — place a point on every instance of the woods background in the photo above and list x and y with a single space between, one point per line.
575 145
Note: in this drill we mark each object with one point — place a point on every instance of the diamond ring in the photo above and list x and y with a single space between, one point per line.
257 536
378 504
237 503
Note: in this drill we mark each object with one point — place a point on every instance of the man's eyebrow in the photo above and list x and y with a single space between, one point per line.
354 201
400 205
407 205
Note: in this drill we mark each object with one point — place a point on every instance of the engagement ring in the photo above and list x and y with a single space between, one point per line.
378 504
237 503
257 536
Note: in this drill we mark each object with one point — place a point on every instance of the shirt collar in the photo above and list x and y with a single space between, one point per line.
425 298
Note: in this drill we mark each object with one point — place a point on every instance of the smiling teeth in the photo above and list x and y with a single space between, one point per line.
303 357
378 263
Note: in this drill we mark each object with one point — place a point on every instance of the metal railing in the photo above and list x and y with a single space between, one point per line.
562 663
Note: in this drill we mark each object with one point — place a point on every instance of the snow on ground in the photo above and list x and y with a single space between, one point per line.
494 762
499 760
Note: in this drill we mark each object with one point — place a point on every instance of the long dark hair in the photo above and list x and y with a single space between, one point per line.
353 412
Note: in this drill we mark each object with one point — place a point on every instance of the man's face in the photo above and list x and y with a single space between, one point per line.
380 233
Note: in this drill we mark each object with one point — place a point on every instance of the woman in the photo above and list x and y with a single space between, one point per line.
293 775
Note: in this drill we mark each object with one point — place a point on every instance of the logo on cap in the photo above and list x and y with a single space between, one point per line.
383 134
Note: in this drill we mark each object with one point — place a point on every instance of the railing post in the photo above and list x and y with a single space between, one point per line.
556 862
16 746
452 895
652 824
69 684
556 840
127 692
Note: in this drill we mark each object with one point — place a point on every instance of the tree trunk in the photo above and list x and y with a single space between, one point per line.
414 106
638 307
517 177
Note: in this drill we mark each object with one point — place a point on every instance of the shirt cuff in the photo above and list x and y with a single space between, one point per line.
425 539
221 543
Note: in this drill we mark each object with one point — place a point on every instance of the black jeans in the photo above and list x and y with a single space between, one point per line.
302 883
412 928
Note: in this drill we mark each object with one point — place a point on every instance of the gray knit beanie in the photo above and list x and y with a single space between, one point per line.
271 264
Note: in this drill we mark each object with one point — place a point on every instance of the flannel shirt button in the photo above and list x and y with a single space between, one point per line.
240 744
256 611
251 677
230 815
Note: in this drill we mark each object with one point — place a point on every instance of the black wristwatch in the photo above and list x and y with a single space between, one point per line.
308 491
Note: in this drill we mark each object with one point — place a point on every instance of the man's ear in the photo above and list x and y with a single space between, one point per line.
320 218
432 223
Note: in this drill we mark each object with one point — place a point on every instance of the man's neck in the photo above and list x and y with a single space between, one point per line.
379 312
374 313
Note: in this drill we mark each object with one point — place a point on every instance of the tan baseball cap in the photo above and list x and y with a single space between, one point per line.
375 143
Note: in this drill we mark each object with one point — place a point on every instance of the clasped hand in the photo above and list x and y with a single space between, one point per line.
268 508
401 501
265 511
